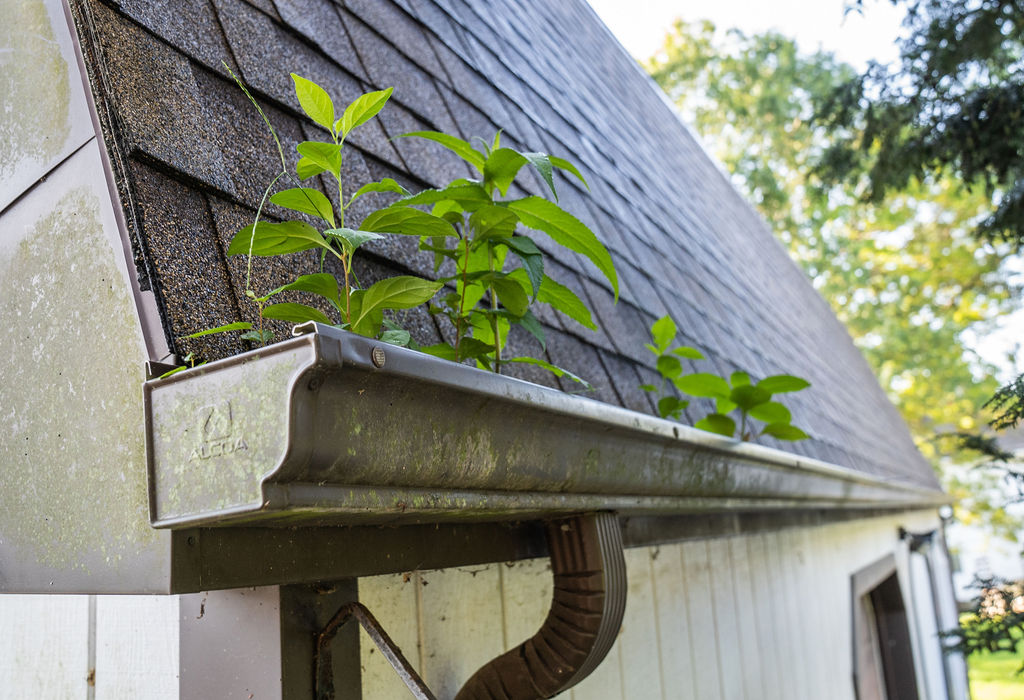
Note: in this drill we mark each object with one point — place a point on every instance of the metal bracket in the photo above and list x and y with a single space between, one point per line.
387 647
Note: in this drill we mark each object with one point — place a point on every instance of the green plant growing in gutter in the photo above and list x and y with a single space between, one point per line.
472 223
488 292
358 310
758 413
663 334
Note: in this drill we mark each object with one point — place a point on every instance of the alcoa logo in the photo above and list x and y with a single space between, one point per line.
216 433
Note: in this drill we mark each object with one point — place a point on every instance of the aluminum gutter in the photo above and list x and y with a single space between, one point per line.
329 428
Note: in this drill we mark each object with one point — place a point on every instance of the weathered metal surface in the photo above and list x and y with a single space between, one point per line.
311 431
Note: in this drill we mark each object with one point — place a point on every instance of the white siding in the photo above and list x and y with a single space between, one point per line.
745 617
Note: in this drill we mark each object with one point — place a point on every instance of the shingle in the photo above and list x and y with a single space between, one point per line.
192 27
571 354
430 162
319 21
414 87
267 54
626 382
185 258
399 29
154 92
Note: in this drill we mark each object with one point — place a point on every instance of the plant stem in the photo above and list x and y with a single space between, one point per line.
494 317
462 302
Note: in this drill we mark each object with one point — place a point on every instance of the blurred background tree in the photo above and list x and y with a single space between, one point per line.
902 267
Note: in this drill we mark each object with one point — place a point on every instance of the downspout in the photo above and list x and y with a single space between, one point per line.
587 605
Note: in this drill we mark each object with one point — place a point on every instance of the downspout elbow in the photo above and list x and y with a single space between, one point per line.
587 606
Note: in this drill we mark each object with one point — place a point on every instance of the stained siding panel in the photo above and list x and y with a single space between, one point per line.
723 592
764 623
393 601
137 647
44 645
749 650
703 630
461 625
674 649
641 673
526 588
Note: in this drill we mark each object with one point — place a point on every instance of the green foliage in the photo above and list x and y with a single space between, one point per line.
495 270
954 102
995 622
906 276
738 393
472 226
1008 401
348 306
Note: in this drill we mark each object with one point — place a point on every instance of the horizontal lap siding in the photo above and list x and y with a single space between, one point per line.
763 615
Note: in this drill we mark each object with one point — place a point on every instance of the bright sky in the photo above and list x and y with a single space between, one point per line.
855 38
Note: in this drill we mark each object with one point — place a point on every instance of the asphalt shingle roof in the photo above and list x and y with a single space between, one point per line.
192 156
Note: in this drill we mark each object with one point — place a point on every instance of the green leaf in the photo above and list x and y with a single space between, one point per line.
746 397
688 352
468 196
784 431
361 110
322 284
648 387
258 336
386 185
724 406
367 324
663 331
563 164
351 239
669 366
511 293
563 299
501 167
237 326
474 348
704 384
771 412
396 336
739 379
407 222
782 383
322 155
315 102
555 370
306 200
276 239
296 313
306 169
671 406
567 231
717 423
542 163
533 327
442 350
400 292
174 371
456 145
531 257
492 222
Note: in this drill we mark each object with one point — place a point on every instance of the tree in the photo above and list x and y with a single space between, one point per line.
904 273
953 106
